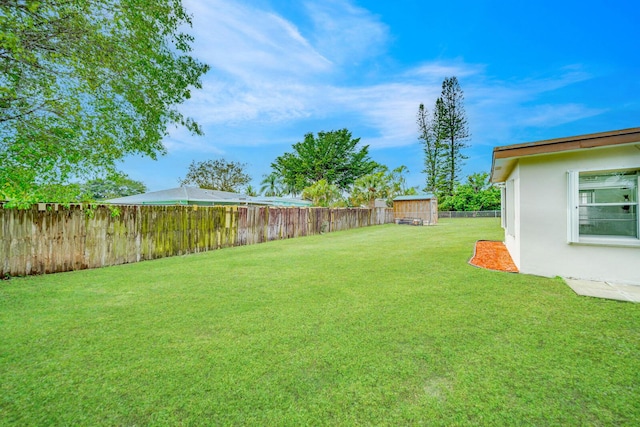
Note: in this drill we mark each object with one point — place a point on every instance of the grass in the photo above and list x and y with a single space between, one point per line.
385 325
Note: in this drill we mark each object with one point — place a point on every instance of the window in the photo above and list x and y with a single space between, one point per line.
603 204
503 206
509 207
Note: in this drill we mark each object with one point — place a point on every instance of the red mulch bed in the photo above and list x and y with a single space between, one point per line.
493 256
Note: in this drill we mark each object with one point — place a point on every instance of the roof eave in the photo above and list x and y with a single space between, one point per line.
506 157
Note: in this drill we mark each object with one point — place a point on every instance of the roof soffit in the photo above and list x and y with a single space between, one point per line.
506 157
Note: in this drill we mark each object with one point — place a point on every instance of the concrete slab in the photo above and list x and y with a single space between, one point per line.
633 292
604 290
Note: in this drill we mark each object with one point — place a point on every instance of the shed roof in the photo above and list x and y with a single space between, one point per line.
506 157
423 196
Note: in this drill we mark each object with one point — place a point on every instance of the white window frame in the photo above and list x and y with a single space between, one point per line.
573 213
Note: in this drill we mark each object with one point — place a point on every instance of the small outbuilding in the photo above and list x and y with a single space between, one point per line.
422 207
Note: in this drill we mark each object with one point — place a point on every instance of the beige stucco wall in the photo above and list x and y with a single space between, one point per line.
540 245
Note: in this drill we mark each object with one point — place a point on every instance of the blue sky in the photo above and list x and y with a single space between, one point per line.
283 68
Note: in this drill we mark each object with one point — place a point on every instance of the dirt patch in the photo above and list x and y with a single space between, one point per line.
492 256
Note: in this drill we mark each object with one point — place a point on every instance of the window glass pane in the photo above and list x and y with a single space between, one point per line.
609 195
589 181
608 204
609 220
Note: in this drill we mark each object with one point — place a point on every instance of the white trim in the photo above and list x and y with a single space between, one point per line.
623 242
573 234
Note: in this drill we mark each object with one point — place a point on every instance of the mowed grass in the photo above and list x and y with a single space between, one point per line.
384 325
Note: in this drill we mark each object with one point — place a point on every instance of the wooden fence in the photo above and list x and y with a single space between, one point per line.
51 238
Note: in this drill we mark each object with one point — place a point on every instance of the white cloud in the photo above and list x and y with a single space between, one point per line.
498 109
438 70
553 115
389 109
346 33
268 72
180 139
251 44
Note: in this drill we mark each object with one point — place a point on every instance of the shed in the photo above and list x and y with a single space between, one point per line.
417 206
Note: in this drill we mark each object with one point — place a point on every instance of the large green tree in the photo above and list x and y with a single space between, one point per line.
217 174
332 156
451 125
84 83
477 194
114 185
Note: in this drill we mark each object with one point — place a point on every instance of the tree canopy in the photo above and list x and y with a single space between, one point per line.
84 83
217 174
331 156
476 194
453 128
380 184
112 186
321 193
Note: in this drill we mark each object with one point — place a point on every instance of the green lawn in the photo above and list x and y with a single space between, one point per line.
385 325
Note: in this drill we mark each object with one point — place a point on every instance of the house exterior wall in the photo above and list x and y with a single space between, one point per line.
540 244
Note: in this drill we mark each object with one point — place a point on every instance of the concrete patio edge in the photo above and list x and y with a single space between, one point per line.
604 290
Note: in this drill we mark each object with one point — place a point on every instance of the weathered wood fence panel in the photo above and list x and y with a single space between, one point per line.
52 238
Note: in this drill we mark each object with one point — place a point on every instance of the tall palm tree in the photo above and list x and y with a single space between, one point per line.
270 186
398 177
368 188
250 191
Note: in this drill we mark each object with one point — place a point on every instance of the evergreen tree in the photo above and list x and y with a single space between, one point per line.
431 138
452 126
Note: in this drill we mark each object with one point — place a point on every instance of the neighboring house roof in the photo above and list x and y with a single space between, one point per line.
280 201
506 157
424 196
194 195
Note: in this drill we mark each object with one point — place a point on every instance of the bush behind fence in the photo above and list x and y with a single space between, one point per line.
55 239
